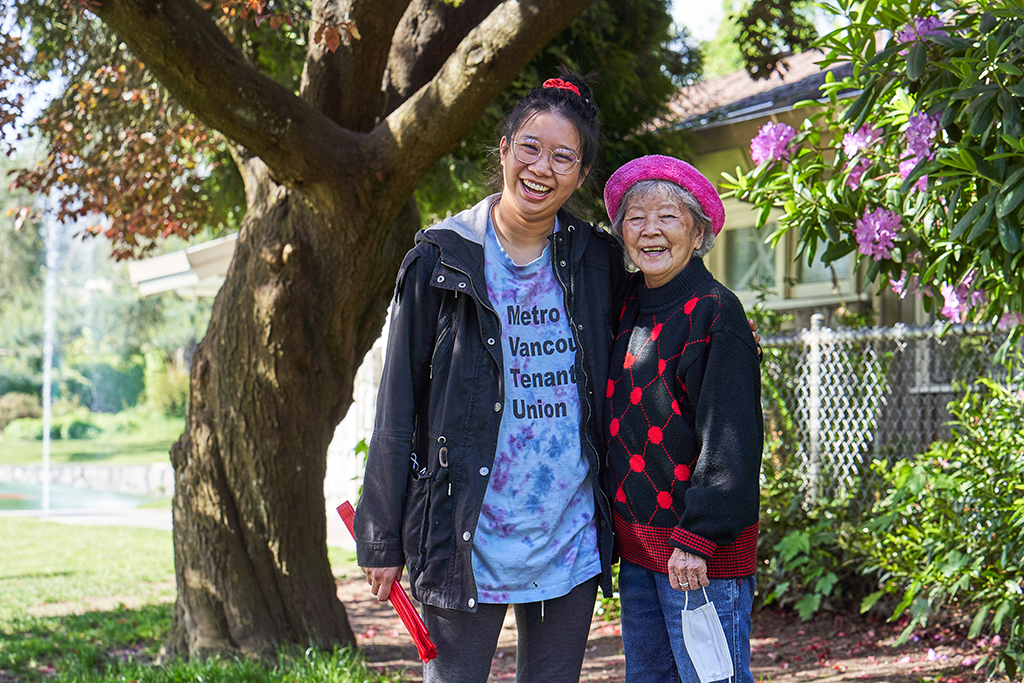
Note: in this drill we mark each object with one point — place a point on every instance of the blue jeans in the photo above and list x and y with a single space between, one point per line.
652 626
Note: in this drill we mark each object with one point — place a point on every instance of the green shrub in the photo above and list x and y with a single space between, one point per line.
80 429
29 429
811 557
79 424
951 530
105 388
16 405
167 384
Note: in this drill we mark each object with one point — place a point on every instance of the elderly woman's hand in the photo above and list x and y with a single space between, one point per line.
686 572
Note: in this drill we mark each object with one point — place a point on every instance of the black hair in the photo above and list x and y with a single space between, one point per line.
579 109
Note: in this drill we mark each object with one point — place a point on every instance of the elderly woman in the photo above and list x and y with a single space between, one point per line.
684 426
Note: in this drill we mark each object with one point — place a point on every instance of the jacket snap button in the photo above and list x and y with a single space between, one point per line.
497 407
563 264
472 602
440 278
484 471
466 536
490 341
462 285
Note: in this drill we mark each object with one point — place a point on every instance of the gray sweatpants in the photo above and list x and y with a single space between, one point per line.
550 650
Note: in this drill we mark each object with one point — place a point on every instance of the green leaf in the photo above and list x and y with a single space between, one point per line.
862 105
981 119
831 230
979 621
984 167
1008 201
1009 234
869 602
837 250
808 605
826 583
982 225
972 215
974 91
1001 612
917 60
1012 69
882 56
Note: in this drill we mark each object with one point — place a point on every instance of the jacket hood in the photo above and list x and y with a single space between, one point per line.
452 234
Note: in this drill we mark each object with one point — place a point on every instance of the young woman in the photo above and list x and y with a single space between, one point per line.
482 475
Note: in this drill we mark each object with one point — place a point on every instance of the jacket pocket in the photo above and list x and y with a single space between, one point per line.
416 523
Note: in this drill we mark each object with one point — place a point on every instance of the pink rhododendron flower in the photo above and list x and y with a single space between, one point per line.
919 29
921 131
770 143
1009 320
906 166
857 170
907 284
875 233
861 140
960 299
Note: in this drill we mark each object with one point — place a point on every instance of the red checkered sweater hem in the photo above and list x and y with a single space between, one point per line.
650 547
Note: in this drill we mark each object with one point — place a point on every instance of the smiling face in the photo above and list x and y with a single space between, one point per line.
660 237
533 193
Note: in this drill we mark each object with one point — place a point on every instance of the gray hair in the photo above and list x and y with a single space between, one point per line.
666 189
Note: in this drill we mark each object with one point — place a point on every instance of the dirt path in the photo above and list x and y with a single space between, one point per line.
783 649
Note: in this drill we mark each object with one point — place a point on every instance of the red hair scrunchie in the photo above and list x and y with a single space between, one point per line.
561 85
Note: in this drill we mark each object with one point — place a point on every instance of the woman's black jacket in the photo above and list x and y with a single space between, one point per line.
442 393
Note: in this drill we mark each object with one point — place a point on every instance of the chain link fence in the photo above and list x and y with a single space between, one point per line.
834 401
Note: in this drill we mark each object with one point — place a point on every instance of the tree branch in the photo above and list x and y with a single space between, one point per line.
427 35
346 84
183 47
438 115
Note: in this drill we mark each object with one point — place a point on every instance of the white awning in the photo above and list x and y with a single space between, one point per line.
196 271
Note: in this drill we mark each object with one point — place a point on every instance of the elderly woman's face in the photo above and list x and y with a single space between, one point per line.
660 237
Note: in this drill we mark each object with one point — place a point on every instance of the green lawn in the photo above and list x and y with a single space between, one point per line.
151 443
93 604
49 567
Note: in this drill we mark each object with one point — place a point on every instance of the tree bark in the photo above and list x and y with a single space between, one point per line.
330 216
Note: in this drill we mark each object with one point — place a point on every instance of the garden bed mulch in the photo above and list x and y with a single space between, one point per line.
829 647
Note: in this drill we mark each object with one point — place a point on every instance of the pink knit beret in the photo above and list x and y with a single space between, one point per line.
658 167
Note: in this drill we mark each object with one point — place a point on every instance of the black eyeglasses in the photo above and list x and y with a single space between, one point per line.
528 151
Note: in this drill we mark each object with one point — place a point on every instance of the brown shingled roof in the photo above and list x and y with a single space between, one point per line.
735 94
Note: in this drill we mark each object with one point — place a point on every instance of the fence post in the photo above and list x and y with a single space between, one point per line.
814 408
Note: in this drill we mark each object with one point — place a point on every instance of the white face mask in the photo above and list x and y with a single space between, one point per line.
705 642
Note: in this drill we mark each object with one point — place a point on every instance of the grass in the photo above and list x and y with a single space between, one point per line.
60 567
149 443
92 604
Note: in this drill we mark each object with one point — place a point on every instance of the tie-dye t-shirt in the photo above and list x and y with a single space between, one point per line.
535 539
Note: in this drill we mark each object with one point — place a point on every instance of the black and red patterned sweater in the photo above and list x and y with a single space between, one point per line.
685 431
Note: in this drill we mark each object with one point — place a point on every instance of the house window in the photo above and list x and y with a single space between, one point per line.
749 262
819 272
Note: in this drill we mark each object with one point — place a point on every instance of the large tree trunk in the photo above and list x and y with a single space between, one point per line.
329 182
269 383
